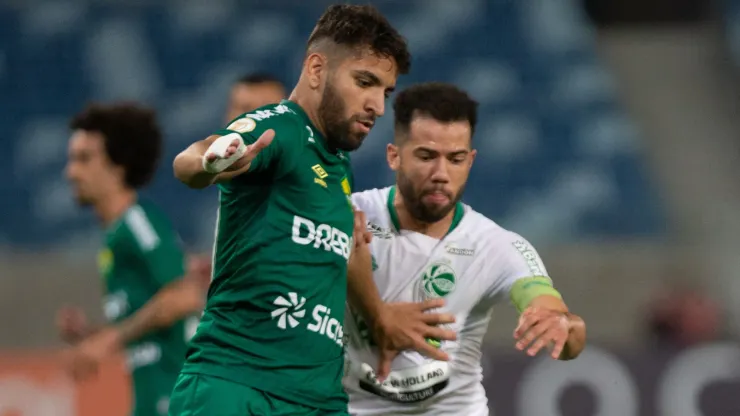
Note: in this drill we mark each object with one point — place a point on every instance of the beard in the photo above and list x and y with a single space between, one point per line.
413 199
331 113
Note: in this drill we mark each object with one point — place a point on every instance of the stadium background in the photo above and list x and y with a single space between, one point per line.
608 137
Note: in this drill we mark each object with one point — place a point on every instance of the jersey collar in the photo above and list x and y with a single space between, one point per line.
456 218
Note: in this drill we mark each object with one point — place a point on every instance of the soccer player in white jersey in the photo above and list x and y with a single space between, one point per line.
427 244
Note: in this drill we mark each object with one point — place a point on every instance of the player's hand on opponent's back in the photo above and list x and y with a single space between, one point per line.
408 326
540 328
230 154
71 323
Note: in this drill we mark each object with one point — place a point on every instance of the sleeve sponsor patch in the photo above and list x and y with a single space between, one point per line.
534 263
242 125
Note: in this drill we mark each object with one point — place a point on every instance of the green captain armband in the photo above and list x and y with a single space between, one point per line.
528 288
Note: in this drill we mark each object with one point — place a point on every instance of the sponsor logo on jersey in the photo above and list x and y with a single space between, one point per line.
530 256
321 236
378 231
320 175
260 115
457 251
374 263
291 311
105 262
438 280
242 125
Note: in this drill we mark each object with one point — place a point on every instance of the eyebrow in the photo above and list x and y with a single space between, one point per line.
443 154
373 78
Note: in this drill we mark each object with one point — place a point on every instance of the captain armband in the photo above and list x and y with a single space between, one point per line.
528 288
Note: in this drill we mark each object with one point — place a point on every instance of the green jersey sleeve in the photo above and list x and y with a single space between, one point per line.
156 245
290 134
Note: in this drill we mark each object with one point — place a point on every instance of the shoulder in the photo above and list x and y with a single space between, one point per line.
372 202
278 117
491 240
147 226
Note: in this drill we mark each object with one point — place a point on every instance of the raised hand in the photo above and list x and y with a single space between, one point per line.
230 154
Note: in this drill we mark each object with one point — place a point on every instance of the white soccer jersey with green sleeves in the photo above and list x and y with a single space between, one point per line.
473 267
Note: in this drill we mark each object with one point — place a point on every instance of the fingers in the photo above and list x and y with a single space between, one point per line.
432 304
438 318
535 333
529 318
558 347
263 141
538 330
423 347
362 235
384 366
440 334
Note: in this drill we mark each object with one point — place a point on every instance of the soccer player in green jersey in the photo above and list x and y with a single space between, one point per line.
253 91
113 152
287 255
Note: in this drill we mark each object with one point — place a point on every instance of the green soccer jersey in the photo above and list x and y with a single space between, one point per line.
273 319
142 254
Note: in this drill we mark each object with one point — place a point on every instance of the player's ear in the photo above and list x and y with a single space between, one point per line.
472 156
392 155
316 68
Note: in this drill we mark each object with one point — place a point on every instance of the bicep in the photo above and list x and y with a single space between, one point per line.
521 274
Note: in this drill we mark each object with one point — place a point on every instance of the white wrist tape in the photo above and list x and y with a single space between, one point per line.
218 148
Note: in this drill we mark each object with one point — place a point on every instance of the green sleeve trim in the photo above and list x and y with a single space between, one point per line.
528 288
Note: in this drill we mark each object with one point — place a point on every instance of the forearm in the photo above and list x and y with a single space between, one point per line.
188 166
576 338
171 304
362 293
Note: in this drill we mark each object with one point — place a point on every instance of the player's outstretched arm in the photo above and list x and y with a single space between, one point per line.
217 159
547 322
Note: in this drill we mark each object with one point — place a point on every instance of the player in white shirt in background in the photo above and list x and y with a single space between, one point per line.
426 244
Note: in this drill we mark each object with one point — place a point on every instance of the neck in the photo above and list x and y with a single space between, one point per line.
311 108
113 206
406 221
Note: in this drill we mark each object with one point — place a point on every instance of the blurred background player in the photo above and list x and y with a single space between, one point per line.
252 91
429 245
113 152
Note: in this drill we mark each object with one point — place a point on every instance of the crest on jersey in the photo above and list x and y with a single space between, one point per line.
438 280
105 262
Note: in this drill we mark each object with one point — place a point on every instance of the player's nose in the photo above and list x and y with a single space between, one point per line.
440 172
376 105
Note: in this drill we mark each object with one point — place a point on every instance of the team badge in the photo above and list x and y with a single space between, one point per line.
438 280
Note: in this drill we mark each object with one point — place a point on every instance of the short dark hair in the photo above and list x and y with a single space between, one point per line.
131 135
356 26
440 101
258 78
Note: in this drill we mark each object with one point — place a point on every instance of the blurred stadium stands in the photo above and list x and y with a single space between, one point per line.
558 159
